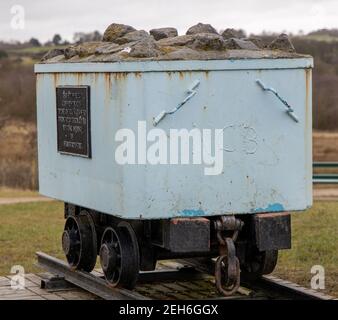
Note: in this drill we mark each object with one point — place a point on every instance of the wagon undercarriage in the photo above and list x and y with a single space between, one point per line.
243 245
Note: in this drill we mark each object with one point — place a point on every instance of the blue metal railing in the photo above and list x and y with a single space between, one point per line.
325 178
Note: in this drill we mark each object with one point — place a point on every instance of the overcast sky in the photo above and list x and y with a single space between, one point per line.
44 18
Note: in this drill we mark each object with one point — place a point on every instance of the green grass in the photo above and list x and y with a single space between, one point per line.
15 193
31 55
314 242
34 50
322 38
27 228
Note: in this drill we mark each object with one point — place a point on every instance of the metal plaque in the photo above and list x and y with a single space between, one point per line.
73 120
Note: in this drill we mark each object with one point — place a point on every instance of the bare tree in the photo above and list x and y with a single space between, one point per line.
57 39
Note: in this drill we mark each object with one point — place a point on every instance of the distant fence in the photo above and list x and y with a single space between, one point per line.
325 178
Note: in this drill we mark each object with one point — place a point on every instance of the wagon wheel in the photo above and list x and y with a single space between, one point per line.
119 255
79 242
262 263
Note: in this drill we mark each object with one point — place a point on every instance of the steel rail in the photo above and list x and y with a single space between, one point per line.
271 286
85 280
267 287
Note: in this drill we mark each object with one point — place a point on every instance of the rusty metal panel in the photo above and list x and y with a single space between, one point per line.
266 156
273 231
186 235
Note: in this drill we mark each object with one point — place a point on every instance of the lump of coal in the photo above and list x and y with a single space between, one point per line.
118 56
108 48
145 48
202 42
183 54
233 33
132 36
256 41
240 44
87 49
116 30
201 28
208 41
70 52
81 50
53 53
282 43
177 41
163 33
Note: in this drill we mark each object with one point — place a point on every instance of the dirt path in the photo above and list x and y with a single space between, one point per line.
325 194
325 146
24 200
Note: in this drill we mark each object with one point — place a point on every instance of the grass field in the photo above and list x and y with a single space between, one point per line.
314 242
34 50
27 228
15 193
322 38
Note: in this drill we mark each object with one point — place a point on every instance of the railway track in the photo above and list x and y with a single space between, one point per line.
172 280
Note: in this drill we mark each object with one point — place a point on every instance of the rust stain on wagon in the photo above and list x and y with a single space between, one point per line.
55 79
107 81
307 86
96 77
138 75
107 88
120 75
118 80
308 117
308 73
79 77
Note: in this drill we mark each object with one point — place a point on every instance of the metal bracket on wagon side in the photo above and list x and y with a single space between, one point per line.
191 92
289 109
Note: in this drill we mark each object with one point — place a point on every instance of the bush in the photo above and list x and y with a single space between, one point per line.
17 91
3 54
